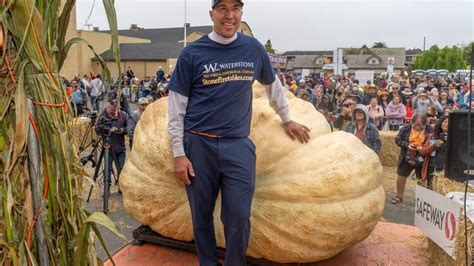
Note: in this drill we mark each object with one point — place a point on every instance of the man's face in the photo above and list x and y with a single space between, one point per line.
112 110
142 107
227 16
348 107
418 125
395 89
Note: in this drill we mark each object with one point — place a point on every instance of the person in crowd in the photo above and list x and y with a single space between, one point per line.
348 107
407 94
160 74
134 117
65 81
432 115
134 91
469 95
384 100
303 90
371 93
410 110
410 139
96 92
117 132
130 73
356 95
435 151
293 87
77 98
150 99
376 112
445 100
362 129
422 102
396 114
434 97
447 110
86 81
395 91
145 86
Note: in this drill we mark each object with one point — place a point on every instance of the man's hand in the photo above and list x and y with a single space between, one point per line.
113 129
183 168
297 131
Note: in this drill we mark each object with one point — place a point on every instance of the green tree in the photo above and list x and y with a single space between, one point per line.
467 52
268 47
379 45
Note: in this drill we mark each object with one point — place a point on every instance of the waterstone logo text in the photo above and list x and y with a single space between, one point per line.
212 68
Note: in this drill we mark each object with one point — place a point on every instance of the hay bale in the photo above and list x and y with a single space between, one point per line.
390 151
443 186
79 128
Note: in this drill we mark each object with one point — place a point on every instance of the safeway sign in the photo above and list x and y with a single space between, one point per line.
438 217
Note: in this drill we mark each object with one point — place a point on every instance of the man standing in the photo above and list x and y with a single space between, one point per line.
115 122
160 74
134 117
96 92
130 74
210 106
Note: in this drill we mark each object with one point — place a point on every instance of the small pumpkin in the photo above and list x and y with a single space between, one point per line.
311 200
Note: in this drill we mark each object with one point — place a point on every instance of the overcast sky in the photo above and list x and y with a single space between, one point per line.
309 25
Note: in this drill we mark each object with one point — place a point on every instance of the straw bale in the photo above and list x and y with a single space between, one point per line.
390 151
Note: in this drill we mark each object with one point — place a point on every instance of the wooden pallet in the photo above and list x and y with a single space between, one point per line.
144 234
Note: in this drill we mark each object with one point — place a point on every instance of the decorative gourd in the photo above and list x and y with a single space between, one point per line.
311 200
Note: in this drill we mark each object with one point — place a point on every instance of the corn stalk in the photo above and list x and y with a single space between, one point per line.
33 45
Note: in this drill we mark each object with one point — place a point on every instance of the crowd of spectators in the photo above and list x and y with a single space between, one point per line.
416 107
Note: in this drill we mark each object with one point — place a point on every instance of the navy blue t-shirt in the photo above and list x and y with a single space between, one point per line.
217 79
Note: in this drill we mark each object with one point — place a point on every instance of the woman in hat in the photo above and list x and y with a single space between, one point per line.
384 101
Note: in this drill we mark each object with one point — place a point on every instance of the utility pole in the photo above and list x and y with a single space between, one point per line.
185 23
424 44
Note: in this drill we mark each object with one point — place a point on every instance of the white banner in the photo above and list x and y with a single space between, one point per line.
438 217
363 76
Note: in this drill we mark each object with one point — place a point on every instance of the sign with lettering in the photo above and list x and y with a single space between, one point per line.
438 217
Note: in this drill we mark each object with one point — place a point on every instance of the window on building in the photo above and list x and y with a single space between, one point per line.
373 61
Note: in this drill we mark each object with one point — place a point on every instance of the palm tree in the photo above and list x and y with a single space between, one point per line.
42 219
379 45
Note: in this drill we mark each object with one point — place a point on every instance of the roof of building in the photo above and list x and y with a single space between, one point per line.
146 51
163 35
383 54
287 53
415 51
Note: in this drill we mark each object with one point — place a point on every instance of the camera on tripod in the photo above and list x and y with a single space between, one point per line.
104 125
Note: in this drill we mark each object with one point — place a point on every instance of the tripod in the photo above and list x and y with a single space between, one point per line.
104 175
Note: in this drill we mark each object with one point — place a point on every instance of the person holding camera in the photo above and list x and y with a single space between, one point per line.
410 139
112 123
435 151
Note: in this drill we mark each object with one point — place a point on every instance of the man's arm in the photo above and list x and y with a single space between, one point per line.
279 103
177 104
278 100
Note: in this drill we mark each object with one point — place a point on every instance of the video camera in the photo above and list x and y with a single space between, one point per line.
104 125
